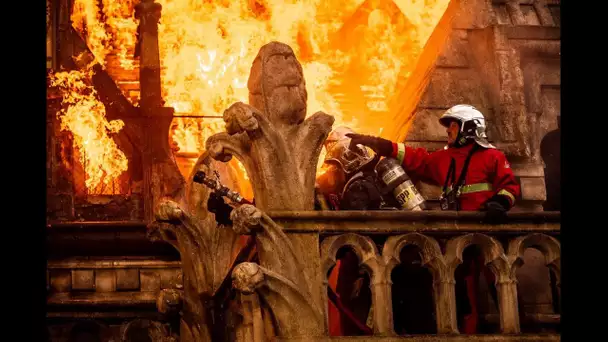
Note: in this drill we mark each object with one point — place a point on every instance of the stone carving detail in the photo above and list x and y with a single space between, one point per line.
442 267
279 280
279 148
206 251
548 245
496 260
369 258
170 301
271 137
443 280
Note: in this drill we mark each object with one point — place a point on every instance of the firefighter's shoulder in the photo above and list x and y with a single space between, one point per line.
498 156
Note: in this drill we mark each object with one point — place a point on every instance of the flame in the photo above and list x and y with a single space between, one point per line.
84 116
123 28
353 53
207 49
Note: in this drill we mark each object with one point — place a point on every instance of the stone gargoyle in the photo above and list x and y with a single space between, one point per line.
207 251
279 148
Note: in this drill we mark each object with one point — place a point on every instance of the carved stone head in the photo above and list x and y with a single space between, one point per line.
276 84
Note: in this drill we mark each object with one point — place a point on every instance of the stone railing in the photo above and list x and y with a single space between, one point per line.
116 276
441 237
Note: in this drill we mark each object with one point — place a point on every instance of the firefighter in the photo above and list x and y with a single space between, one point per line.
348 180
474 176
487 183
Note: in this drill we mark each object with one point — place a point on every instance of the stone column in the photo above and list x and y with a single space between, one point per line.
148 13
161 174
509 312
382 305
250 331
445 304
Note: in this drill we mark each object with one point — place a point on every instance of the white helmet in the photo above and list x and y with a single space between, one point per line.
472 123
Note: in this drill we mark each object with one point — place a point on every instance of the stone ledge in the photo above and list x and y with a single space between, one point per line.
103 239
395 222
78 263
435 338
528 317
104 315
110 276
533 32
101 298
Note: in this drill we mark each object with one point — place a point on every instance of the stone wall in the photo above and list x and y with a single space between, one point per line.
502 57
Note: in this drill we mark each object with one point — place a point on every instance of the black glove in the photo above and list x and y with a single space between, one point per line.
216 205
496 209
381 146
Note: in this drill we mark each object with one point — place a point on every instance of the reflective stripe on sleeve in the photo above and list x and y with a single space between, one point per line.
508 194
400 153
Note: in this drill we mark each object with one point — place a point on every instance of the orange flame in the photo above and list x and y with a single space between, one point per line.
353 52
84 116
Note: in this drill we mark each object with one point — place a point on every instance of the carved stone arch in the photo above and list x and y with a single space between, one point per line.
496 260
432 258
363 246
370 259
493 253
548 245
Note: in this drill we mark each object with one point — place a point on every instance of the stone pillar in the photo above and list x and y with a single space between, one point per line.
507 298
445 305
64 48
161 174
382 305
148 12
248 329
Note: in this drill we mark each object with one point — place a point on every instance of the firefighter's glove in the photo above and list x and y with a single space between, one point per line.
216 205
496 209
381 146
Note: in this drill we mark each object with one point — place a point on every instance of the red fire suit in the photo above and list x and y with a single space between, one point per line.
488 174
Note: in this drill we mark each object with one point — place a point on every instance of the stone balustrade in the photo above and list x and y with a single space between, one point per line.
378 238
114 286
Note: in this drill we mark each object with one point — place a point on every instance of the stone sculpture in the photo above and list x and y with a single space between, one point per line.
279 148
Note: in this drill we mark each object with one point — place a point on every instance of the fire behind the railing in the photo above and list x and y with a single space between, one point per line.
353 53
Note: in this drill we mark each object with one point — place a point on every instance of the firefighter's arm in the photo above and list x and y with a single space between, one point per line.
414 161
505 184
417 162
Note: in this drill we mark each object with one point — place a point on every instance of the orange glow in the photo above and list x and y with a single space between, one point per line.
353 53
84 116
